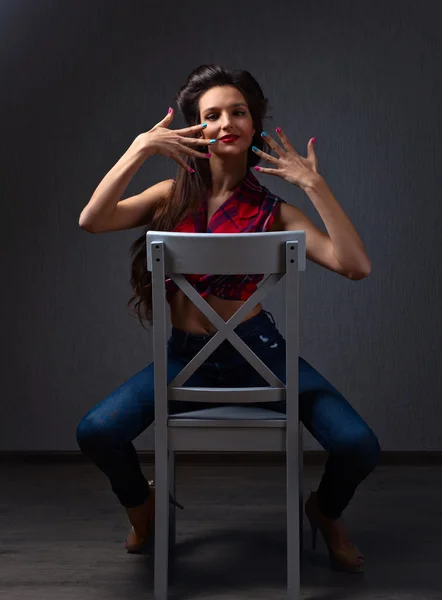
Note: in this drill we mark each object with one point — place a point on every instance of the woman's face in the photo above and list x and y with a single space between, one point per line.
226 113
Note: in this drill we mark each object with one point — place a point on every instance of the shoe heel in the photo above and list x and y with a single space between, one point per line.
171 498
174 502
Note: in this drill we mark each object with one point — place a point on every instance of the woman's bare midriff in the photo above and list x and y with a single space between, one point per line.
186 316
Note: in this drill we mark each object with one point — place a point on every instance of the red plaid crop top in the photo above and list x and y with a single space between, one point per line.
250 209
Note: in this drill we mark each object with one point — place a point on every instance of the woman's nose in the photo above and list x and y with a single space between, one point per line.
226 122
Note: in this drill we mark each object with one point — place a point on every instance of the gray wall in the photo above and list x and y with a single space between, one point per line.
80 80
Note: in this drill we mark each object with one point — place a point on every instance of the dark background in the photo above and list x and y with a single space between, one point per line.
80 80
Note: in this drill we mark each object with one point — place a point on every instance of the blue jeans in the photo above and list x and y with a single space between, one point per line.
106 432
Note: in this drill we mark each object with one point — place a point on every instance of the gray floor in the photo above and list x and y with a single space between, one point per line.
62 534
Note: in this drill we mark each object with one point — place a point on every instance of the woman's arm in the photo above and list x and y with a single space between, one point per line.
105 211
340 249
348 248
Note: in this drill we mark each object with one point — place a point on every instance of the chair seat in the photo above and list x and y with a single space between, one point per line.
232 413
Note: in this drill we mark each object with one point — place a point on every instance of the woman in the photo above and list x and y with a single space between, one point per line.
215 191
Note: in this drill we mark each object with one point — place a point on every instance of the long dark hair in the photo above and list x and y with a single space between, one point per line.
189 189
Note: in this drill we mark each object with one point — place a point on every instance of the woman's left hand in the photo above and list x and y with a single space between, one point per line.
290 165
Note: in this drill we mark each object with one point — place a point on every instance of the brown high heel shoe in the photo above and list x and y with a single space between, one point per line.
347 560
135 543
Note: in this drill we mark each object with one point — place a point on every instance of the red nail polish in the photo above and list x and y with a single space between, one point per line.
313 140
257 168
208 155
169 111
191 170
278 130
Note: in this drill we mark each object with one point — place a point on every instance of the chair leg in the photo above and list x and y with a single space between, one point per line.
172 507
301 490
161 538
293 533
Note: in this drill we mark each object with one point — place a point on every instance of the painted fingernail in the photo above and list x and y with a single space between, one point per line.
255 149
278 130
208 155
264 134
257 168
169 111
212 141
313 140
204 125
191 170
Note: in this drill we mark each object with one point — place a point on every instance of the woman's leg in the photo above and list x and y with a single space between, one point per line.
352 446
106 432
105 436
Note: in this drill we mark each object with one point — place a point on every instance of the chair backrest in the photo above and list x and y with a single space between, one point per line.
276 255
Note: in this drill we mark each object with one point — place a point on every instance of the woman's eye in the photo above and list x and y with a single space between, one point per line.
237 112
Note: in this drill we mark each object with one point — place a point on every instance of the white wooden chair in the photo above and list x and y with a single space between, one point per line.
234 427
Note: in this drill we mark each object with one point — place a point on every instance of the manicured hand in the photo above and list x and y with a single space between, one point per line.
174 142
289 165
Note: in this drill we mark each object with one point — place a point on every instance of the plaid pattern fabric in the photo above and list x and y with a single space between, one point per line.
251 208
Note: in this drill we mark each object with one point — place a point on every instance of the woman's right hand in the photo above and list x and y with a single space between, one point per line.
173 142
